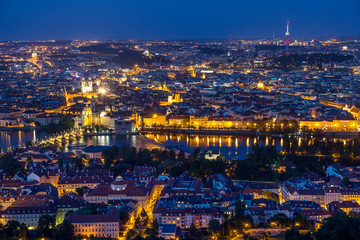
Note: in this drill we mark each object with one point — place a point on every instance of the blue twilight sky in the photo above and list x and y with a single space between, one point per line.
176 19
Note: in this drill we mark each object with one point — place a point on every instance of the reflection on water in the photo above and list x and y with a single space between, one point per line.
235 147
112 140
18 138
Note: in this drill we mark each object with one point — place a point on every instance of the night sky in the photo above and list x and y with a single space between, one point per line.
176 19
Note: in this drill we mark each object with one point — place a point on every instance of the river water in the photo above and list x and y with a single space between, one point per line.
234 147
18 138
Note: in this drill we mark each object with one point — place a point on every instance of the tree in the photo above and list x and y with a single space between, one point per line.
294 234
214 226
29 160
46 225
80 191
137 222
346 182
195 233
66 124
27 144
64 231
271 195
108 156
144 157
88 209
239 209
248 170
143 213
14 230
339 226
67 167
124 216
10 165
119 168
192 230
280 220
263 155
181 156
245 222
61 164
78 163
153 230
23 232
301 222
131 234
176 171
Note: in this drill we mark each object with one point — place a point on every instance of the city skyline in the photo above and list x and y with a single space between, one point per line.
179 120
178 20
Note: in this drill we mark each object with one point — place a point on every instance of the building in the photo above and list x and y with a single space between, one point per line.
175 99
118 191
86 87
155 120
178 121
87 116
317 215
124 127
28 210
335 125
101 225
94 151
183 218
344 206
169 231
64 205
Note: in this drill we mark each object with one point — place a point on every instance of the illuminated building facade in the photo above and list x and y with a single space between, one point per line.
183 218
155 120
175 99
104 225
334 125
28 211
70 184
195 122
34 56
86 87
208 123
87 116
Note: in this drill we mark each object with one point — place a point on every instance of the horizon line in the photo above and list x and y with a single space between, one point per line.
190 39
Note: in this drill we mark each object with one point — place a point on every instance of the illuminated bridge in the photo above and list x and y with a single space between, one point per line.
58 138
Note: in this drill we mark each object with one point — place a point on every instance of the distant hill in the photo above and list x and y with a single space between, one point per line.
125 57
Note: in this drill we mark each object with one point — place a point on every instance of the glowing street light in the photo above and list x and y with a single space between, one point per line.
102 91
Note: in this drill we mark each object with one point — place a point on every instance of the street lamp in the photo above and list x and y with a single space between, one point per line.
102 91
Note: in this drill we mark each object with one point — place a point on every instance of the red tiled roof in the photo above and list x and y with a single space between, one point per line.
99 218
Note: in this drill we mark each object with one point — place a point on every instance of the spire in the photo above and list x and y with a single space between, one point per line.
66 96
287 28
287 36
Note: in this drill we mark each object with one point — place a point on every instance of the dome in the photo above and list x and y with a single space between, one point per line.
86 110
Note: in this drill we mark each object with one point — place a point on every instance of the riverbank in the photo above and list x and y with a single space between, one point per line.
203 132
342 134
17 128
240 132
98 134
161 145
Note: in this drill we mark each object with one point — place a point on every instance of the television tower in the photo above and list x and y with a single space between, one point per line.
287 36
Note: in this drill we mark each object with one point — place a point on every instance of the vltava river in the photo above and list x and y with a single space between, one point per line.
235 147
